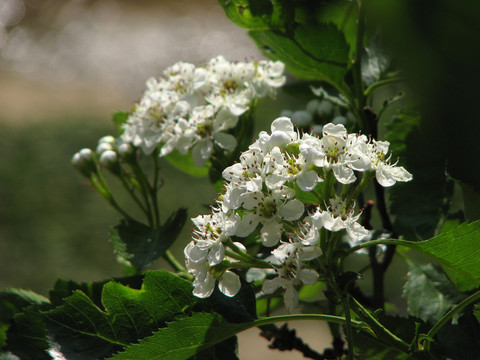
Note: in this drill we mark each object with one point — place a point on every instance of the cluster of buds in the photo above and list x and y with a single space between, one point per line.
261 199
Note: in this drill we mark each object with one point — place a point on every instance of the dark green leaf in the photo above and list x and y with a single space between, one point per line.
460 341
65 288
183 338
315 52
21 329
419 204
458 251
185 163
429 292
367 347
83 329
476 312
140 245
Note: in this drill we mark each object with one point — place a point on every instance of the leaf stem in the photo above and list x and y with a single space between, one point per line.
455 310
378 84
295 317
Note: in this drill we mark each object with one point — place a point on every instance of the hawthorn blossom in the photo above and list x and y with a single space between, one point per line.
290 273
338 217
195 107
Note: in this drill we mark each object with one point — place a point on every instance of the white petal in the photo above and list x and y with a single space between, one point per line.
308 276
356 231
307 180
282 123
216 254
205 288
225 141
269 286
274 181
291 210
194 253
271 233
344 174
290 299
201 152
247 224
229 283
255 274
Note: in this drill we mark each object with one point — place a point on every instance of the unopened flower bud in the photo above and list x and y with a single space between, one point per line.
287 113
325 108
312 106
301 118
109 160
84 161
106 140
339 120
127 152
103 146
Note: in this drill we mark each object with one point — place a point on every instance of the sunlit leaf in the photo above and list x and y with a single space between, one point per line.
183 338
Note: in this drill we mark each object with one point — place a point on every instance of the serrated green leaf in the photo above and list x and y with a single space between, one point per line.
129 314
429 292
140 245
315 52
183 338
65 288
458 251
419 204
185 164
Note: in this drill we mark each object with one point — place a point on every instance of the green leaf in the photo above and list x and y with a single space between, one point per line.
119 119
367 347
417 206
458 251
476 311
314 52
65 288
140 245
259 14
429 292
13 334
81 327
460 341
185 164
183 338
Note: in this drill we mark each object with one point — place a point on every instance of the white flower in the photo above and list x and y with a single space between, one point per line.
289 274
386 174
269 210
337 217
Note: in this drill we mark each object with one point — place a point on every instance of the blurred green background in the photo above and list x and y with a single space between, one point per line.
65 68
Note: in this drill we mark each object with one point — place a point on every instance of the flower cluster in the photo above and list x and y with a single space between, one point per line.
261 194
194 107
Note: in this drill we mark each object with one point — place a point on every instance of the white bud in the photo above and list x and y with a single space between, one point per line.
108 158
325 108
84 161
339 120
287 113
127 152
107 140
301 118
312 106
103 146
